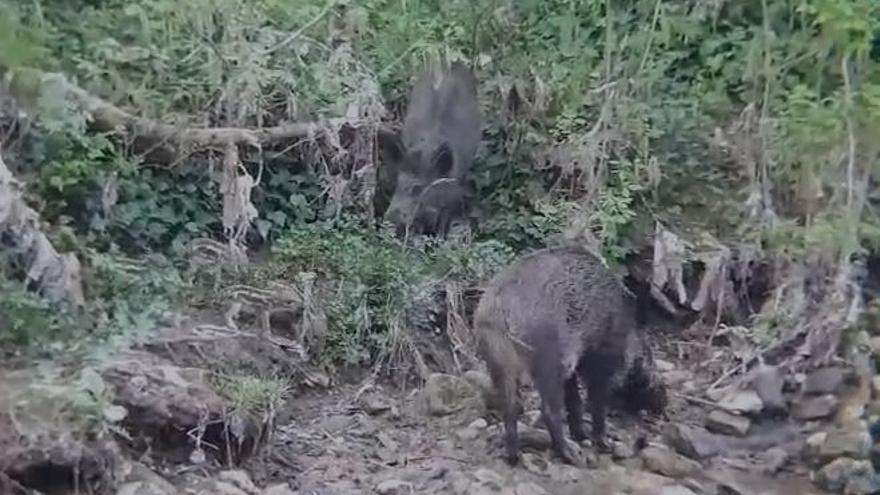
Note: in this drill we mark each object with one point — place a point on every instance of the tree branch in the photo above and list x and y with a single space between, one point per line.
166 143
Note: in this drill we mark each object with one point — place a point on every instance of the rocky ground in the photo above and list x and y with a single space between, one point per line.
767 435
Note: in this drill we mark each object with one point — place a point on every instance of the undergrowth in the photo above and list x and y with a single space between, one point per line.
375 276
752 121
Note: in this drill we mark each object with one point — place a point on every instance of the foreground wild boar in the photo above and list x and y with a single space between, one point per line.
430 165
559 314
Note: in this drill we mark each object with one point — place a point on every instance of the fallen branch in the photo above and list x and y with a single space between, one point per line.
165 143
56 275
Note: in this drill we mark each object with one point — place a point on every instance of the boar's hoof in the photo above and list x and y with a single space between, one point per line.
602 446
512 458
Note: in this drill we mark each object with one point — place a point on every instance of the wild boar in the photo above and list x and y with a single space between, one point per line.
431 163
554 316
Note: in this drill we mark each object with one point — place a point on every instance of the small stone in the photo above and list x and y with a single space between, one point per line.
727 424
394 487
375 405
637 482
336 423
823 381
445 394
663 366
773 460
563 472
743 402
848 475
467 433
694 485
768 383
812 408
278 489
667 462
816 440
479 424
621 450
529 488
675 490
716 394
223 488
695 443
239 479
488 478
146 488
731 488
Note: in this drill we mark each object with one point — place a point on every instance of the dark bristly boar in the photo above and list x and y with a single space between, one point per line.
554 316
432 161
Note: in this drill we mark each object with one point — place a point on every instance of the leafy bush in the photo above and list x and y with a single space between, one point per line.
375 276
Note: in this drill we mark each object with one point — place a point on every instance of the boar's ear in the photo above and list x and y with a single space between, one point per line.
443 160
390 146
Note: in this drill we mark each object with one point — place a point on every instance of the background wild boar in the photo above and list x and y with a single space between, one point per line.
431 164
553 316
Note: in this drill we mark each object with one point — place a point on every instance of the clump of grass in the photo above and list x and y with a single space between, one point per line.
252 395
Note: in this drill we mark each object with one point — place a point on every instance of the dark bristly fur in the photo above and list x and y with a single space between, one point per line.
558 316
430 166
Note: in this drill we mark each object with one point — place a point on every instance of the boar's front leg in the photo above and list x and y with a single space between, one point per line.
597 375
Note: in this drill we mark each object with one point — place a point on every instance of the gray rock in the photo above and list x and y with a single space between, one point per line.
663 366
742 402
768 382
486 480
676 490
446 394
278 489
667 462
695 443
645 483
812 408
773 460
146 488
483 383
529 488
849 476
621 450
467 433
220 488
725 423
479 424
823 381
240 479
394 487
826 446
375 404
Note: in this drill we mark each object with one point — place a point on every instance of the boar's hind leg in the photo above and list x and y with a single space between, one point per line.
548 373
574 408
506 388
597 376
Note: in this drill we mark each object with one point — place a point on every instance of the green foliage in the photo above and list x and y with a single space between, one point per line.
619 106
259 397
19 44
376 278
28 320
